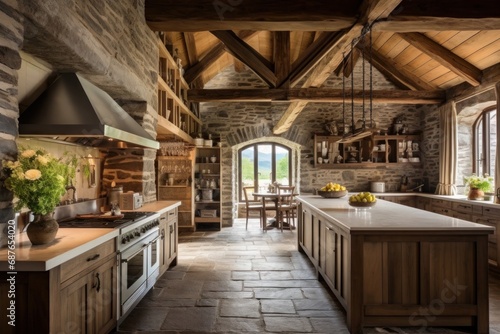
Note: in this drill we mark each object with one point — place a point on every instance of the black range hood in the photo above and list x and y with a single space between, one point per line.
74 110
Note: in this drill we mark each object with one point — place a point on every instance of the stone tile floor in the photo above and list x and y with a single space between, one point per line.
238 281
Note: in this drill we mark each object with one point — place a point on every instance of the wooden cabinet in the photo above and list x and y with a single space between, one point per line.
79 296
175 179
491 217
177 116
403 200
88 300
376 150
309 234
207 190
169 237
333 264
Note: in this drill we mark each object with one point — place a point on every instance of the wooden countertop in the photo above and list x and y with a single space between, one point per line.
388 216
69 243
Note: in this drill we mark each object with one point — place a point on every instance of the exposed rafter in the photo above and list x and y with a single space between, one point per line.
372 10
190 47
211 57
248 55
281 57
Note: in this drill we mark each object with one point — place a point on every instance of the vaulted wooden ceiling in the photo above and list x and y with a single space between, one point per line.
427 48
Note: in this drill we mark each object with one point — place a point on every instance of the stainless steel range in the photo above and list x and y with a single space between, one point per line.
138 252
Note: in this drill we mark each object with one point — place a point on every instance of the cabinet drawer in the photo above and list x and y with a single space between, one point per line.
86 260
462 207
171 214
464 216
489 222
441 203
492 212
442 211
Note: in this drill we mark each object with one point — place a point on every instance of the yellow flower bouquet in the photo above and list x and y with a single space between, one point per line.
38 180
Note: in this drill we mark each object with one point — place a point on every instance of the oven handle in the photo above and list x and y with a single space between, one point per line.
140 250
154 240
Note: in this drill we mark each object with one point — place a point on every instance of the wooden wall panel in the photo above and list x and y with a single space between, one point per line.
372 273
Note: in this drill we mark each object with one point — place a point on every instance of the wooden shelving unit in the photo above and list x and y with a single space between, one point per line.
177 170
177 116
207 188
368 152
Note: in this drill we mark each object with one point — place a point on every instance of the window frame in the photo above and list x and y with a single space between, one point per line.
486 136
255 170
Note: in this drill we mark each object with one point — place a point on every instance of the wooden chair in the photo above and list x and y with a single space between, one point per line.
253 205
287 207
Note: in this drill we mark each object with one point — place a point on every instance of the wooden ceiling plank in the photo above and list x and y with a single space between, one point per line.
238 66
474 43
398 74
407 56
213 55
301 96
192 54
445 57
489 60
247 55
282 57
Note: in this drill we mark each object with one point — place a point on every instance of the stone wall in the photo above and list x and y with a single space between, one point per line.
11 39
108 42
238 123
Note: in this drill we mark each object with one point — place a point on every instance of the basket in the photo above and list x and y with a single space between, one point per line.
332 194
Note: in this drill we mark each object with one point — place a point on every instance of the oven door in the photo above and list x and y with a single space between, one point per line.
134 269
153 269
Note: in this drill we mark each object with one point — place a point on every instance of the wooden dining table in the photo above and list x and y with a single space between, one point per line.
274 197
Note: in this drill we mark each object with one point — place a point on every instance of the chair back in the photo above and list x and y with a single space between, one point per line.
246 191
285 195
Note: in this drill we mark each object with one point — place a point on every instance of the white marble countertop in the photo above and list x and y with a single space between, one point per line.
69 243
387 216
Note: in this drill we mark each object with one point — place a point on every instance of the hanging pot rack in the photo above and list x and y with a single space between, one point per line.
364 131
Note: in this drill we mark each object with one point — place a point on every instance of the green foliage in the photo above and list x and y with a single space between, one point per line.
484 183
247 169
38 180
282 168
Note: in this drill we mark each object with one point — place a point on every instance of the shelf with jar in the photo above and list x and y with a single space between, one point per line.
177 116
207 188
369 152
174 182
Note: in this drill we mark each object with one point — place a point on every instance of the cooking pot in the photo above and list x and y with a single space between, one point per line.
377 187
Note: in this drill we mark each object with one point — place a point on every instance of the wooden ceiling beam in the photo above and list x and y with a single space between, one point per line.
371 10
321 95
190 48
445 57
212 56
244 52
282 57
313 55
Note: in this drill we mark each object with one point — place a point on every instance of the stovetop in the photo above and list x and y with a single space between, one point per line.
128 218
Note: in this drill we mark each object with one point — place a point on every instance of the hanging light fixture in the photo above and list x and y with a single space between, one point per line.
363 131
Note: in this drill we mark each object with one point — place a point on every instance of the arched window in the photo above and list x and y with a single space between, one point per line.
485 142
263 163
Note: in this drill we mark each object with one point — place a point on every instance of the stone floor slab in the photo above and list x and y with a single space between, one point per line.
287 325
277 306
240 308
190 319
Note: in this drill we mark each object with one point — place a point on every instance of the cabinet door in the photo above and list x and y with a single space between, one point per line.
164 247
308 231
330 267
76 310
172 241
105 290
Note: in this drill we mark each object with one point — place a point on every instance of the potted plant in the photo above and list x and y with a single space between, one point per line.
478 185
38 181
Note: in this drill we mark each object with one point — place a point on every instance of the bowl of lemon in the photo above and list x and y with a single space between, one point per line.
362 200
332 190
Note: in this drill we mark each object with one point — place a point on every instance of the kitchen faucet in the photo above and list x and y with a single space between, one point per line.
72 187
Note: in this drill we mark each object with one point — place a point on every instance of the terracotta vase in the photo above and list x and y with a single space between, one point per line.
475 194
42 229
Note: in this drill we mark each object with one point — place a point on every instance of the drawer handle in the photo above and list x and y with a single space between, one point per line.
328 228
171 229
93 258
163 218
162 234
97 286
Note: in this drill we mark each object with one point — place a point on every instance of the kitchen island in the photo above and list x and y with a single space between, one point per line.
392 265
